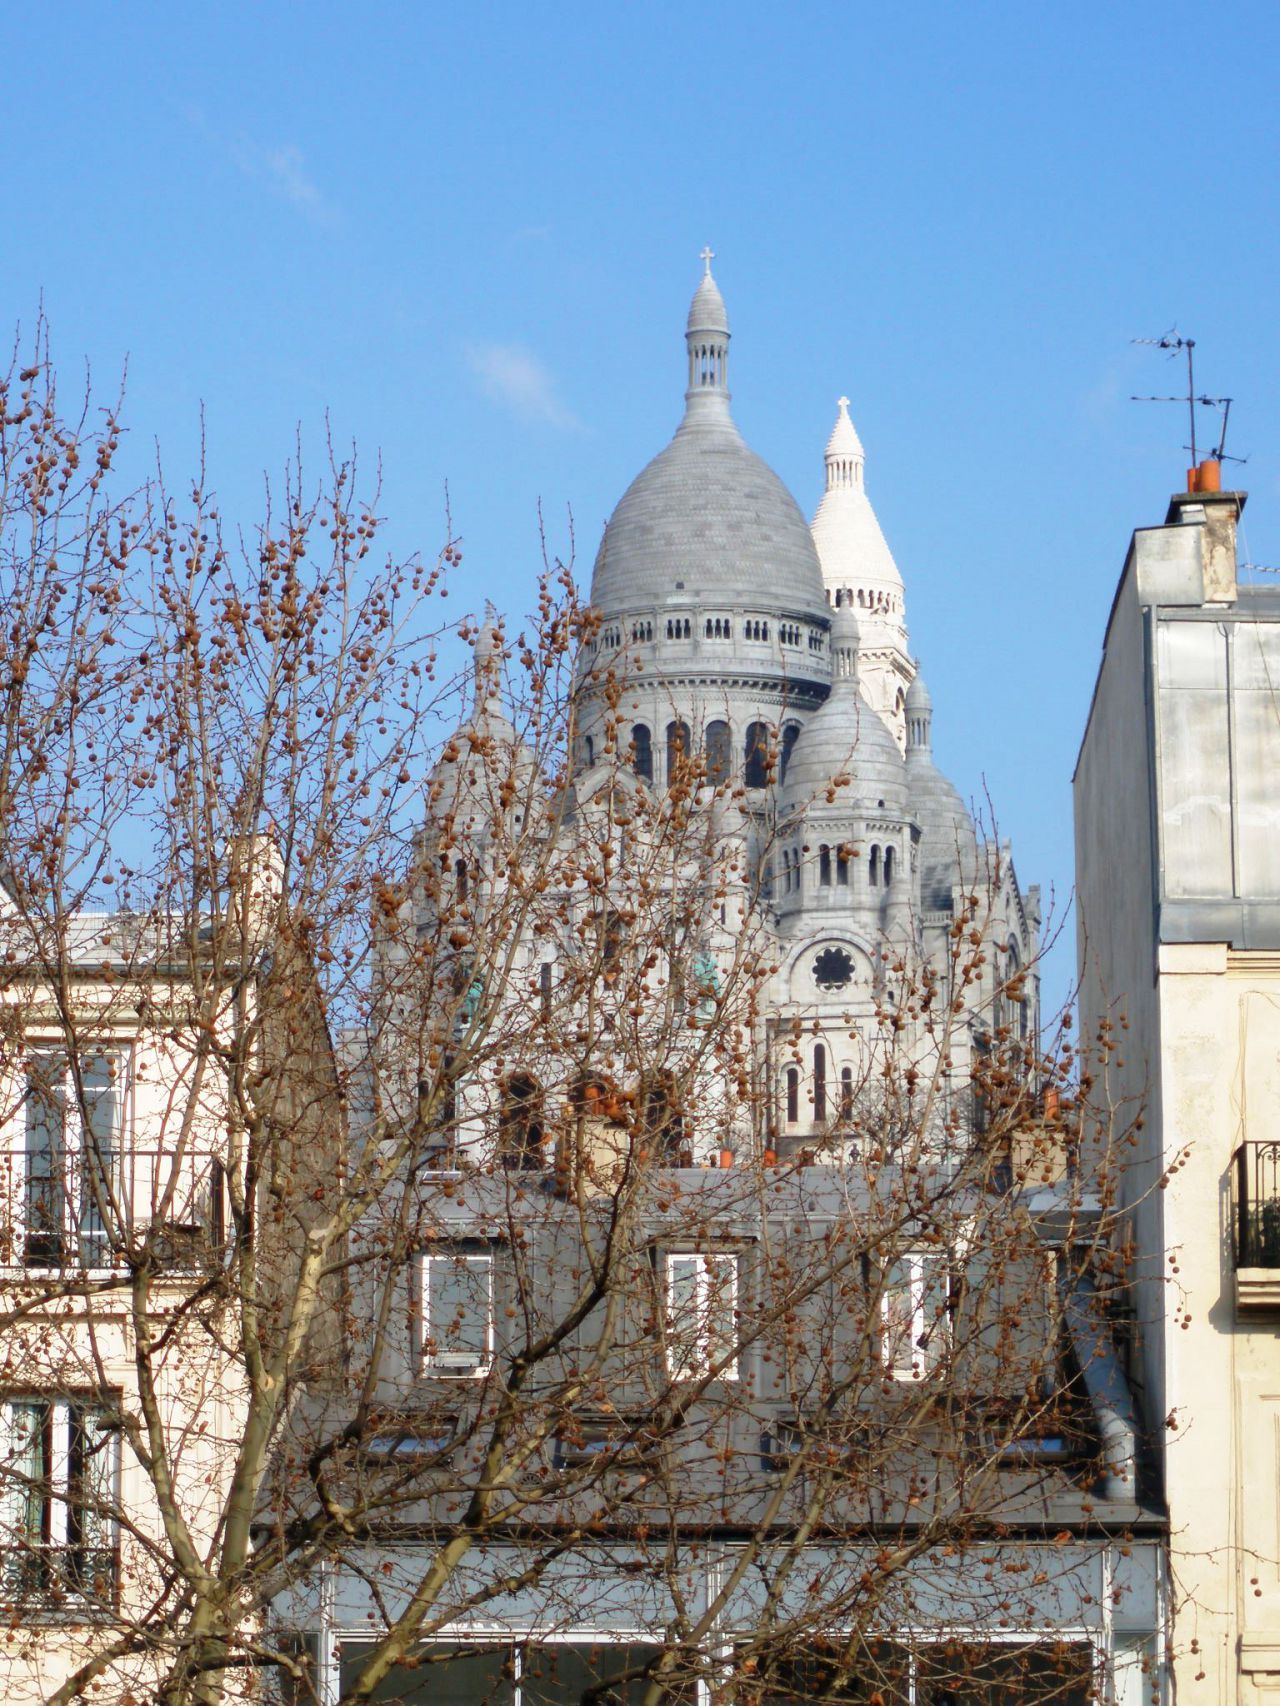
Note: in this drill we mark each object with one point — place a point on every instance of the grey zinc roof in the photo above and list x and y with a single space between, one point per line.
707 511
846 737
948 842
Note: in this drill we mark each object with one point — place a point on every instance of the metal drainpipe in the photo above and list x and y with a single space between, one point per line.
1106 1385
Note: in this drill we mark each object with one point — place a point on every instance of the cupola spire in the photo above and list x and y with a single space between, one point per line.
707 336
486 655
846 458
919 711
844 646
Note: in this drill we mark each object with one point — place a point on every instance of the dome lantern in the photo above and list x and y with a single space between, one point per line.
919 710
845 457
707 336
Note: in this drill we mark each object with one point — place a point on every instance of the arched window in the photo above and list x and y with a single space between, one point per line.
846 1092
819 1081
755 770
842 867
589 746
460 878
793 1094
790 735
520 1125
824 866
719 753
786 870
1021 1006
797 869
642 743
677 749
873 868
888 866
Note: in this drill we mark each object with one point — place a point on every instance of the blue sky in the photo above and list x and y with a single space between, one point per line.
468 235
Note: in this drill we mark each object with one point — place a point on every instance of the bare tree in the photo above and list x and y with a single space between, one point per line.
394 1204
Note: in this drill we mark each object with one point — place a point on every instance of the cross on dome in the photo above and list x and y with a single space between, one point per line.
706 257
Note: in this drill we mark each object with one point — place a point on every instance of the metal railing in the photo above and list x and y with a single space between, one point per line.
80 1209
48 1573
1256 1186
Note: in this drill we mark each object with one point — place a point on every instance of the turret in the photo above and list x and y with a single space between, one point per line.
858 570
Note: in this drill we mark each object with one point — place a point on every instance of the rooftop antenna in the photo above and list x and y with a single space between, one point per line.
1174 344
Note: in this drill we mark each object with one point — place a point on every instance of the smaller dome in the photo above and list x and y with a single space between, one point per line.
845 737
918 699
948 840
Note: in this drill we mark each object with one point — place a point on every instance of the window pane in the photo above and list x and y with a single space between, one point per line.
459 1310
582 1675
25 1471
447 1676
91 1478
702 1297
872 1671
914 1316
102 1078
722 1312
46 1120
899 1315
957 1674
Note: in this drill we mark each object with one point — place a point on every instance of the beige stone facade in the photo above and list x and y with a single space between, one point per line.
1177 799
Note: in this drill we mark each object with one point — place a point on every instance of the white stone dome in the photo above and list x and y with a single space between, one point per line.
948 841
707 522
845 738
709 513
857 564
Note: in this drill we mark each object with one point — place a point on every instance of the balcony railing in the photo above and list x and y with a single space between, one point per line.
78 1210
51 1575
1256 1184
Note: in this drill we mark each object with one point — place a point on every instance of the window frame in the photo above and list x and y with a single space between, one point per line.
446 1364
925 1358
57 1556
691 1355
81 1230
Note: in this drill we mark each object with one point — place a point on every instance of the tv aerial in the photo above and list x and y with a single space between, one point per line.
1189 399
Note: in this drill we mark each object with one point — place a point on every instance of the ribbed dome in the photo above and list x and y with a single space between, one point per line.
707 512
846 738
948 841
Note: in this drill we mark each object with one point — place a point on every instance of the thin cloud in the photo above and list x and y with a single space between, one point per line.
286 172
282 167
514 376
